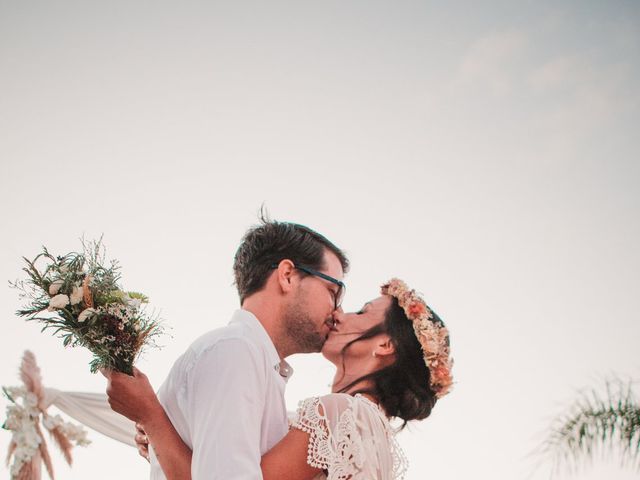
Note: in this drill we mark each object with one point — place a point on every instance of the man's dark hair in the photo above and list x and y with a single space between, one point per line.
270 242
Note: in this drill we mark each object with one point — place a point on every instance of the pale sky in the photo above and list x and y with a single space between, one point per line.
485 154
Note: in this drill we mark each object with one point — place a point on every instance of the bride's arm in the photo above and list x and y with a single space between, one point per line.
287 460
134 398
174 456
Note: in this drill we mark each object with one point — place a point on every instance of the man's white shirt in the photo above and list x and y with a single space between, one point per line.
225 397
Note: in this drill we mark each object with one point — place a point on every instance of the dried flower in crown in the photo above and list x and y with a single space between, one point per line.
430 332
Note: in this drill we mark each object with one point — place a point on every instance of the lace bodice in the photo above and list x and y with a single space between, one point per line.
350 438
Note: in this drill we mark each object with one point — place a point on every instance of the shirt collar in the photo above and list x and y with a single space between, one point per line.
250 320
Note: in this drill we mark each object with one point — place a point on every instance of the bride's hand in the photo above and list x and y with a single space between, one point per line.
142 442
132 396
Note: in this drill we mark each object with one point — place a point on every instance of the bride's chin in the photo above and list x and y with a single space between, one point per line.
328 353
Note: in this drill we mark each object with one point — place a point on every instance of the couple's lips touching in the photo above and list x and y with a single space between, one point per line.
331 324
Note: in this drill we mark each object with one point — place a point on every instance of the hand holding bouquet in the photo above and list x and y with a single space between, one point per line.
78 296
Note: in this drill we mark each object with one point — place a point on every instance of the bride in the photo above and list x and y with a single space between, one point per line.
392 362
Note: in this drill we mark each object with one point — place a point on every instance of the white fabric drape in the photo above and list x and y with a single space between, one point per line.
92 410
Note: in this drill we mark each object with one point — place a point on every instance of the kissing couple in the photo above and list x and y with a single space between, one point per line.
221 413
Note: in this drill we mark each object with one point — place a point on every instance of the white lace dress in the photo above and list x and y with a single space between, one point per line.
350 438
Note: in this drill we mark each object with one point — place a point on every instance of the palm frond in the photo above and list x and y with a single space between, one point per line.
596 424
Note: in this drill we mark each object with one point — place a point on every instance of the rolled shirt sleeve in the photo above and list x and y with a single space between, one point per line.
225 400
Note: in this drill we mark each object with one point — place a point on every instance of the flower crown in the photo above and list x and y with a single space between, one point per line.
431 333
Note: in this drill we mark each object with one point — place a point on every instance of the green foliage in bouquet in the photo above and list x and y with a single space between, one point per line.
78 297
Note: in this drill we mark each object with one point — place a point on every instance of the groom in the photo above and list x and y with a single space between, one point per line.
225 394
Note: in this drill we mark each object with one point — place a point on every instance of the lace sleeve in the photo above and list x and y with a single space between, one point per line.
334 443
349 438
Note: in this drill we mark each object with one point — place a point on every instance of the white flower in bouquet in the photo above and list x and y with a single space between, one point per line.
55 286
59 301
134 303
86 314
77 294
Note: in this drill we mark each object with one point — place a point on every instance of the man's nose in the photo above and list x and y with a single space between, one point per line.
337 314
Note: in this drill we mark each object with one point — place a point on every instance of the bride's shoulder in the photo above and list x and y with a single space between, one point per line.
349 437
319 409
338 401
334 405
331 401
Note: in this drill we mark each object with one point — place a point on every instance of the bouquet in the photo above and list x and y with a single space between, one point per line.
78 297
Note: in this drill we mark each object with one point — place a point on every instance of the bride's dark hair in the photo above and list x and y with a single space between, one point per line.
402 388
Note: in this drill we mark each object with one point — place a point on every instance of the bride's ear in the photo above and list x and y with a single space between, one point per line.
384 346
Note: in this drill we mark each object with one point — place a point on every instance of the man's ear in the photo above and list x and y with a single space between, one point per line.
285 277
384 346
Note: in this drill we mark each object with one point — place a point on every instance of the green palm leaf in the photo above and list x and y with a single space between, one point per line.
597 423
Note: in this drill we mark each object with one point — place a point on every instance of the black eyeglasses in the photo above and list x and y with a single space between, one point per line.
338 296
